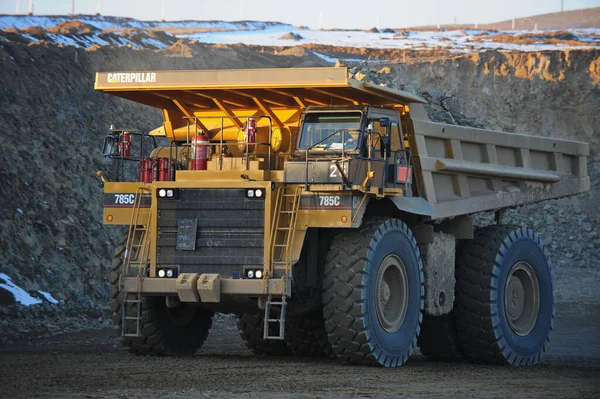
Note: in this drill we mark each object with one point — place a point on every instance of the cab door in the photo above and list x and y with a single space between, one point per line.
380 144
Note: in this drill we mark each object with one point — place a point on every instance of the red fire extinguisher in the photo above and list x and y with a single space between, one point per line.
147 168
125 145
141 171
250 133
199 151
163 169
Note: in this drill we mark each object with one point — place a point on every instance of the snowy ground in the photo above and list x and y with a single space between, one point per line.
456 41
271 33
20 295
107 22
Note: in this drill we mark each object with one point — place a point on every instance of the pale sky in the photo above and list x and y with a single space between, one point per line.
313 13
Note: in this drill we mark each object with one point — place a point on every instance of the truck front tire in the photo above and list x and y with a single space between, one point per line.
505 303
305 336
176 331
373 293
251 329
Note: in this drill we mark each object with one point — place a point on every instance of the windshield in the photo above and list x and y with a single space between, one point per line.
317 126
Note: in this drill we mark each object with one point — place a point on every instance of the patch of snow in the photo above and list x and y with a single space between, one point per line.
150 41
104 22
29 37
327 58
18 293
96 40
48 297
417 40
63 39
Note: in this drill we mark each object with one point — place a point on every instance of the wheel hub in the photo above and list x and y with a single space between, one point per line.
385 293
522 298
392 293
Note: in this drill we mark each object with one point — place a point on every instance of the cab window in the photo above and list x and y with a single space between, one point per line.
330 131
376 138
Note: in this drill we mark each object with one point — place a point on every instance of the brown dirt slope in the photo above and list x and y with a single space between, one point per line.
582 18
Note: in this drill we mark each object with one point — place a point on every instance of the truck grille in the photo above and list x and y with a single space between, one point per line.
229 231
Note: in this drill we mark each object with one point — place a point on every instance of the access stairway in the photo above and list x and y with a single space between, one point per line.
136 257
282 238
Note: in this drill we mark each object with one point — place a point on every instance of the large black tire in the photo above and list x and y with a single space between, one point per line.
496 320
251 329
439 338
357 259
306 336
178 331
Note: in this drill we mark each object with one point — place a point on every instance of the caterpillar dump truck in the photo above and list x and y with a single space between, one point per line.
331 216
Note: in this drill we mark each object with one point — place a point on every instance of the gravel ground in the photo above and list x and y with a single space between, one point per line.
91 365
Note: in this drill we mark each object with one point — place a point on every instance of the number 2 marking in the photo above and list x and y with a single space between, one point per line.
334 171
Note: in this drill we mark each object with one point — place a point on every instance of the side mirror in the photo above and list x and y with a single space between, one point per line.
110 146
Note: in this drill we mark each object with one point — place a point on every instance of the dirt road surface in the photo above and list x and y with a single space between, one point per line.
90 365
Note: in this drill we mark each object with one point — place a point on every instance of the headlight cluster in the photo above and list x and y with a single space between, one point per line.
169 193
255 193
253 273
166 273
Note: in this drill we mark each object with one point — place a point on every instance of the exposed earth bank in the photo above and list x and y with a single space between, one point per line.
51 236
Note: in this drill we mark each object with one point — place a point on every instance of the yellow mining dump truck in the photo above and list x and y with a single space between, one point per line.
331 216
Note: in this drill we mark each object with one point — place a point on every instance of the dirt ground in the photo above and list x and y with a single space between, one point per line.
91 365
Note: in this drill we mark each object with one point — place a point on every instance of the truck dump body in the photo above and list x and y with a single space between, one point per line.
465 170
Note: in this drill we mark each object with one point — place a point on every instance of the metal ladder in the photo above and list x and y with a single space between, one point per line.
282 304
284 228
136 255
282 239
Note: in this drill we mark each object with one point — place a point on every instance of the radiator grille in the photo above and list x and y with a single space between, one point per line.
229 232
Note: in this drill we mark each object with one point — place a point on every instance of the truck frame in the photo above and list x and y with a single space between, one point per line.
331 216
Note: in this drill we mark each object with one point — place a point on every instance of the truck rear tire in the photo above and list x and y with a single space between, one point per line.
373 293
439 338
251 329
177 331
504 298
